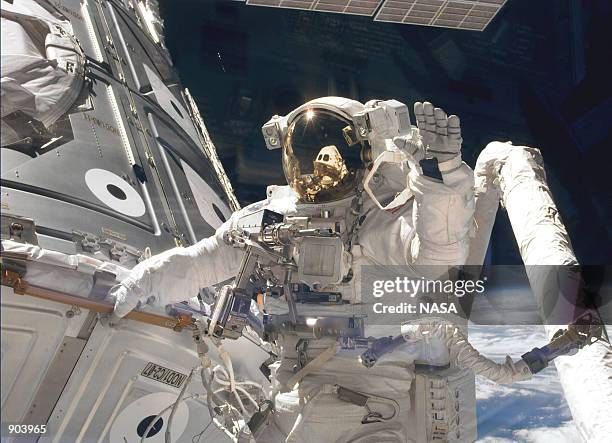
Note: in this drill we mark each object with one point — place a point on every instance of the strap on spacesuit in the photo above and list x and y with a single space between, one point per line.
365 401
347 395
396 157
450 165
313 365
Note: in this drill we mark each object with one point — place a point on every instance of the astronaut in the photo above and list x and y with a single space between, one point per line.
395 195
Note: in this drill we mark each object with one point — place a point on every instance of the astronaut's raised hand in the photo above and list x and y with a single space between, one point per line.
440 134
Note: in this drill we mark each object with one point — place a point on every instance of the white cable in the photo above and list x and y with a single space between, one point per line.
239 386
225 381
158 416
305 412
249 397
221 369
220 372
176 403
242 408
227 361
209 392
246 394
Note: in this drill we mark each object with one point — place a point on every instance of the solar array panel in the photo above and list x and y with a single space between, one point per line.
458 14
357 7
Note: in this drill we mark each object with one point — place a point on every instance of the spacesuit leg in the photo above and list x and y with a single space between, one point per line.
320 416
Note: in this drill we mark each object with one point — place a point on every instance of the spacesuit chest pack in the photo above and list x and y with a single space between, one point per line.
328 267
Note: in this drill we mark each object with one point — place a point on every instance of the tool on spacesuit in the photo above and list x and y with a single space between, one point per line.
585 331
268 267
367 401
377 409
377 347
347 329
261 417
231 314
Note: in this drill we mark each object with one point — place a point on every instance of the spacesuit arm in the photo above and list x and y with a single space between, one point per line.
442 217
467 357
464 355
179 273
443 209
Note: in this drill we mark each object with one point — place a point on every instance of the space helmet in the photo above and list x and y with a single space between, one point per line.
322 150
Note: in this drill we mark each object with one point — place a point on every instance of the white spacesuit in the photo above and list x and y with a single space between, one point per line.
395 195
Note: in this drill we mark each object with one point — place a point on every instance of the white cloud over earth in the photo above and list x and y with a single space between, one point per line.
534 411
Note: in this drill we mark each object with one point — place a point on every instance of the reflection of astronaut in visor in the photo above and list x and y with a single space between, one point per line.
329 169
330 166
321 157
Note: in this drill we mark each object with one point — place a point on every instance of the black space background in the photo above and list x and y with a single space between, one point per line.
540 74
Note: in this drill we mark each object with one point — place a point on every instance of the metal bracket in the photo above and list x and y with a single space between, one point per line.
183 321
14 269
13 279
302 354
179 239
92 243
19 229
103 281
89 243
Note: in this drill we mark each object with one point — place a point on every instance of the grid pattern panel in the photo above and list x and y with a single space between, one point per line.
458 14
357 7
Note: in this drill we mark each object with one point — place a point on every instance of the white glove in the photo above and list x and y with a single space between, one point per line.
127 296
441 134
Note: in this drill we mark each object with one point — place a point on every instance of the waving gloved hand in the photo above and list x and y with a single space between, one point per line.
440 134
